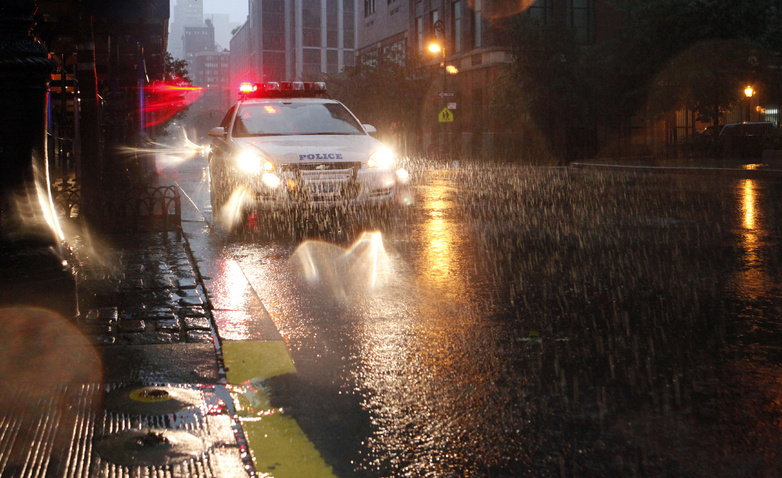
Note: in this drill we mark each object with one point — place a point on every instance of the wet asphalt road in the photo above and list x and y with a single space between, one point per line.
535 322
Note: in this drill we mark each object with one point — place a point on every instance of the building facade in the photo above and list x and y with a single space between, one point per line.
383 29
212 71
187 13
474 51
199 39
294 40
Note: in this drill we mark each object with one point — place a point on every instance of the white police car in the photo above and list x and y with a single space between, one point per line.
287 146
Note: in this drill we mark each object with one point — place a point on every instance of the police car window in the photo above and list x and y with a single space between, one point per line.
282 119
227 118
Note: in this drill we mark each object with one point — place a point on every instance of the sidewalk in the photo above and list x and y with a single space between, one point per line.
156 376
161 406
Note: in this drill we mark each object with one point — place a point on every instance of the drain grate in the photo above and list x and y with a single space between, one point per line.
151 447
151 400
95 431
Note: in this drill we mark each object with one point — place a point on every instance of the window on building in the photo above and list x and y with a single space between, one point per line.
369 7
477 24
581 20
419 33
312 63
332 61
311 22
395 52
456 28
349 22
349 56
542 10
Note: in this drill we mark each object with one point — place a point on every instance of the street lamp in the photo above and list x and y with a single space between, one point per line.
748 92
439 28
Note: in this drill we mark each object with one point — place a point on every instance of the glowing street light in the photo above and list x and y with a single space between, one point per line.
748 92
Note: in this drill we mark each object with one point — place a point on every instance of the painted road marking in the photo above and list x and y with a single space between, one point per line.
278 445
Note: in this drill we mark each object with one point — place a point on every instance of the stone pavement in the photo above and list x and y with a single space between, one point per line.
158 403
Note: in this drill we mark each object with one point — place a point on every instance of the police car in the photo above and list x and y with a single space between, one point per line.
288 145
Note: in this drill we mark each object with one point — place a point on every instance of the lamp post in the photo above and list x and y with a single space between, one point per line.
748 92
439 28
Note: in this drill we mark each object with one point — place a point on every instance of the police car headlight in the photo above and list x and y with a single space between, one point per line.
252 163
382 158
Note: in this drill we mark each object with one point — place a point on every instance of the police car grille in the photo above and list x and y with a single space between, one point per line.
321 166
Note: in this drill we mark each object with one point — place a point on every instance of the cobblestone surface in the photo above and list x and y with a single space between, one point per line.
141 289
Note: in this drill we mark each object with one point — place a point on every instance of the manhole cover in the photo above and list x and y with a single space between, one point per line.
150 447
151 400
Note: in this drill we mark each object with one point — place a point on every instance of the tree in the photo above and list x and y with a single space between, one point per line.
175 69
546 84
666 55
387 92
168 101
701 53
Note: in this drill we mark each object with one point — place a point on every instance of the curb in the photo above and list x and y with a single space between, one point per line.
750 173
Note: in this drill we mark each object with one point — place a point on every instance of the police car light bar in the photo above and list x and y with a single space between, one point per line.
283 89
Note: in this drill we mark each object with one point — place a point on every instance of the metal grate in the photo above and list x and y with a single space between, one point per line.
63 433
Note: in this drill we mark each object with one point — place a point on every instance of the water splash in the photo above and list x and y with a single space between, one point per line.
361 267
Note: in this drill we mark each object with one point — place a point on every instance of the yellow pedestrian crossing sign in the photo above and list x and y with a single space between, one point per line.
445 116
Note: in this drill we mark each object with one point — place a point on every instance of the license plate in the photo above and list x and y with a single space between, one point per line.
321 189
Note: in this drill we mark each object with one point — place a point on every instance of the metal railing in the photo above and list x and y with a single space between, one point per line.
133 209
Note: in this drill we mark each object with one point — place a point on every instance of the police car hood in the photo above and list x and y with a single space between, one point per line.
314 148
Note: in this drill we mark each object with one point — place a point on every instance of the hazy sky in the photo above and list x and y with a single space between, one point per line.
237 9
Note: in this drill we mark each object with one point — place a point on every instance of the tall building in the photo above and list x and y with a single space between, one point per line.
295 40
199 39
475 51
212 71
383 29
187 13
223 26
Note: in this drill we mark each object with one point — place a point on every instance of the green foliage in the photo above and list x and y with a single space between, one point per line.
387 92
175 69
665 55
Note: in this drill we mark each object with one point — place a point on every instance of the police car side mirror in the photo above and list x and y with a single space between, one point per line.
370 129
217 132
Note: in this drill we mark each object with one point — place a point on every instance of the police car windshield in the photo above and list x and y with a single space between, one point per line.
282 119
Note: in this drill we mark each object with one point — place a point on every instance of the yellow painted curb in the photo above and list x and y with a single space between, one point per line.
278 445
255 360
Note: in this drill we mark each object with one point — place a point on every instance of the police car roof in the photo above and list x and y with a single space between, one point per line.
283 89
287 100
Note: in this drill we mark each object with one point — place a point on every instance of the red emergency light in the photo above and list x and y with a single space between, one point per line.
283 89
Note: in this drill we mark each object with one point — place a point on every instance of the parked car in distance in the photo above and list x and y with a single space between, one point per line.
746 140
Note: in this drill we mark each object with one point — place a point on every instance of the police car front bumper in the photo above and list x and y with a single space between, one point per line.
291 188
